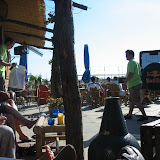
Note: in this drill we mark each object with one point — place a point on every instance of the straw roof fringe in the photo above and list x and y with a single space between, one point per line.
28 11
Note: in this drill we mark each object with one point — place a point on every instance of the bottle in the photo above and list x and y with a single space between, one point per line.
60 118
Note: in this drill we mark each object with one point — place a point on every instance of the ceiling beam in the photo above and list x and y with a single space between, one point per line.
40 47
31 35
28 25
80 6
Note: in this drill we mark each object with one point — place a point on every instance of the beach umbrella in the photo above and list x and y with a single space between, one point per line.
23 62
86 75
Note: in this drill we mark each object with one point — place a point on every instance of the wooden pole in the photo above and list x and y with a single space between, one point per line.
64 37
1 35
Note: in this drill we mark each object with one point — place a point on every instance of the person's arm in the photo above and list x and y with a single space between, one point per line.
5 94
88 87
3 63
2 119
130 75
101 88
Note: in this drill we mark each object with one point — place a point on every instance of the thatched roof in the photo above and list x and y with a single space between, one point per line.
27 11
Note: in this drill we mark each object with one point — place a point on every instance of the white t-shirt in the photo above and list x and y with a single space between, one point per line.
93 85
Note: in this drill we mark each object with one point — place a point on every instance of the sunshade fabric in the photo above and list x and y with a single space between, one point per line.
86 75
28 11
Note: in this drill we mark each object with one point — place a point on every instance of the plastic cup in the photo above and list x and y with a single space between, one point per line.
51 121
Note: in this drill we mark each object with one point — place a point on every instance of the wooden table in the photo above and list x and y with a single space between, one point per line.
41 128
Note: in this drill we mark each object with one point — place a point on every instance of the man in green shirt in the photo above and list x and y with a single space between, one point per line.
8 44
134 83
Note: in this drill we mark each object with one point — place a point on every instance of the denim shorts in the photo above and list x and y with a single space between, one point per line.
135 93
2 107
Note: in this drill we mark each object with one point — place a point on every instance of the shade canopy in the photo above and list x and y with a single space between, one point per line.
86 76
23 19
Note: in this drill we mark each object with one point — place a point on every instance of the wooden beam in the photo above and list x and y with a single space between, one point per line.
28 25
36 46
1 35
80 6
31 35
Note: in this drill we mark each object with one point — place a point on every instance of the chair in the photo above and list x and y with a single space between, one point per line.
43 93
95 97
84 94
19 99
113 90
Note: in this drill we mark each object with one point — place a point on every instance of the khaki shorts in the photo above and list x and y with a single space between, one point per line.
135 93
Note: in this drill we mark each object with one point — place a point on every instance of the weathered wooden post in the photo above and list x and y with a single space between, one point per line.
113 134
65 46
55 74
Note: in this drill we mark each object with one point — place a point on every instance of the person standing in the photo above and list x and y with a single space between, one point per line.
8 44
134 83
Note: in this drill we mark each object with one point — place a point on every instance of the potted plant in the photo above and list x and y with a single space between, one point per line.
52 103
55 103
60 104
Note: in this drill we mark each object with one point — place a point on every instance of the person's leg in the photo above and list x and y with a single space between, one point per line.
131 104
22 135
137 100
10 122
11 102
9 109
141 108
7 142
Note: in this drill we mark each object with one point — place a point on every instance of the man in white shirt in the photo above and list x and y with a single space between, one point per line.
93 84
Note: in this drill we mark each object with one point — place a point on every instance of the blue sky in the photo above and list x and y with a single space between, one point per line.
109 27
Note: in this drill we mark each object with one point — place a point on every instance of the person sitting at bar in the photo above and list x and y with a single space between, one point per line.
8 146
8 107
7 140
93 84
108 80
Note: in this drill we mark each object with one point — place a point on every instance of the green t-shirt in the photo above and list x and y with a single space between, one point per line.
134 68
3 56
